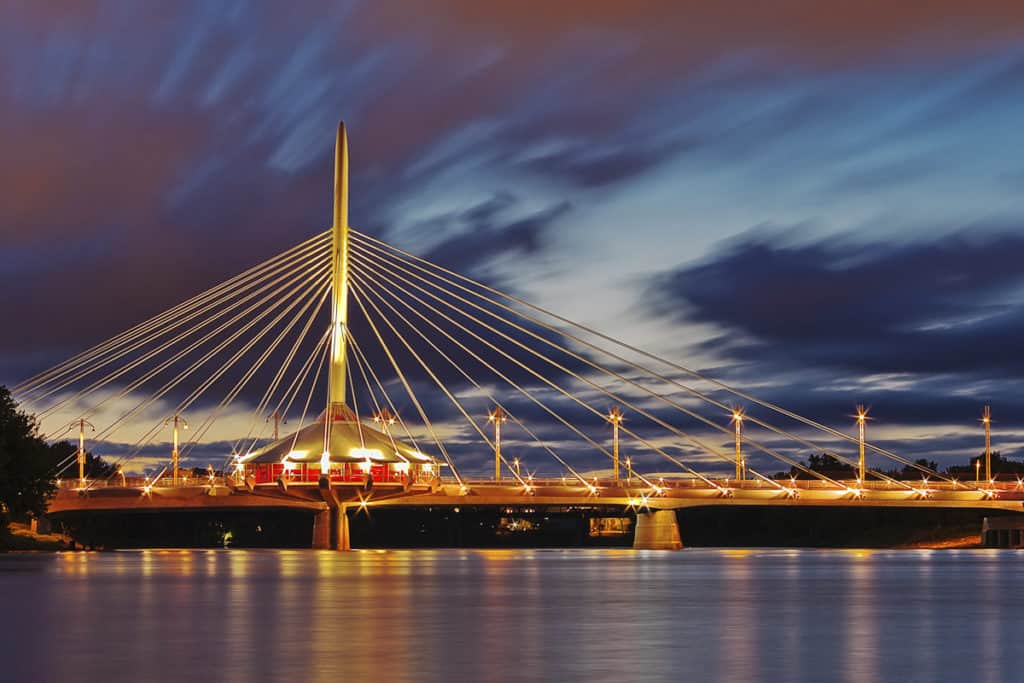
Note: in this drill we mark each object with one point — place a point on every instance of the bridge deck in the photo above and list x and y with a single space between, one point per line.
669 496
491 493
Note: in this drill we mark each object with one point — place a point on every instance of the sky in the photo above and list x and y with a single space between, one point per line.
819 204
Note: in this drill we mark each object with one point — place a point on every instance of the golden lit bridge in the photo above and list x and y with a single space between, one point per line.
403 378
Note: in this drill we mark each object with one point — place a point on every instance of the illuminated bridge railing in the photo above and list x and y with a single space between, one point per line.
669 484
142 482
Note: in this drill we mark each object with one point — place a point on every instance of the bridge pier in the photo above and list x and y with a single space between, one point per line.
322 530
339 528
657 530
330 527
1005 531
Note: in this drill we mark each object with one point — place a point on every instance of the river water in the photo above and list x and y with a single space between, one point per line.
509 615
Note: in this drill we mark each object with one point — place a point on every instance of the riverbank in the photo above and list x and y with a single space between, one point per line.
959 542
20 537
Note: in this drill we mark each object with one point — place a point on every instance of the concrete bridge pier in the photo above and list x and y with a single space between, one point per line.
339 527
322 530
1006 531
330 527
657 530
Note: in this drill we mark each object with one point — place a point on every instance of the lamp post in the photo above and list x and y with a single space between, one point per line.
82 424
385 418
278 419
862 418
977 471
239 469
737 420
177 421
629 471
496 417
986 419
615 417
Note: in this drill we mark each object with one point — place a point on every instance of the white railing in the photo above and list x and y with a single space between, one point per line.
165 481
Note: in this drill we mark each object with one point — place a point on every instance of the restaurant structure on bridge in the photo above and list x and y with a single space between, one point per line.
347 449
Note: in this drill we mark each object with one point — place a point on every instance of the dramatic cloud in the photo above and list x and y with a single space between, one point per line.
486 232
563 152
924 332
951 305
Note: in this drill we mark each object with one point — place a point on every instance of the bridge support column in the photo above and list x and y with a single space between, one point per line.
322 530
1005 531
657 530
339 529
330 529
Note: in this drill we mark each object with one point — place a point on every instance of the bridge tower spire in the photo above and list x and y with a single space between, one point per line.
339 290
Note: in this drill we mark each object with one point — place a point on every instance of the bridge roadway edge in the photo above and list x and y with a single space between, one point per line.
328 514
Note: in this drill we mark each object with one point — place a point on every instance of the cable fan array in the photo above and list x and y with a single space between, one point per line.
442 356
214 343
568 373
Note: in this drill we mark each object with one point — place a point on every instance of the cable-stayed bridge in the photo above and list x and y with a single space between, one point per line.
406 383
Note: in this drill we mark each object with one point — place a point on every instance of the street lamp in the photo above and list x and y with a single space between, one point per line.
862 418
82 424
177 421
496 417
385 418
615 417
737 420
278 419
986 419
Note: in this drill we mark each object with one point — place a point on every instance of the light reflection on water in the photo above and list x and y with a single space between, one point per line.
497 615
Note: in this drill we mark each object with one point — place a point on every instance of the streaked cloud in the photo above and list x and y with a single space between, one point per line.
570 153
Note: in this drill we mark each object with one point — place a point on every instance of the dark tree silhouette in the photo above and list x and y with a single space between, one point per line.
910 472
95 466
826 464
26 463
1000 465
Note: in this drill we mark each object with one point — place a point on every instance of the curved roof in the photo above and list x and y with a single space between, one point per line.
351 441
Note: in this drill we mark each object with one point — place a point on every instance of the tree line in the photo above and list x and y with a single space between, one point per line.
832 467
29 465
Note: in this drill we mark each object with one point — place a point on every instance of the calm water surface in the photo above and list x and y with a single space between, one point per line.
493 615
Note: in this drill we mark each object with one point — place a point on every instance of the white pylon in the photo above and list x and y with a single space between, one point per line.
339 269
